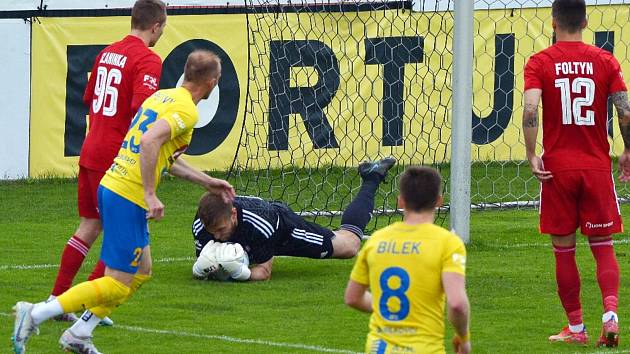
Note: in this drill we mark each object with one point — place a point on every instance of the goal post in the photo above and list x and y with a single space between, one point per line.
462 125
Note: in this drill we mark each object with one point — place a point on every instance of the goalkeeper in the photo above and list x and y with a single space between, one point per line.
258 230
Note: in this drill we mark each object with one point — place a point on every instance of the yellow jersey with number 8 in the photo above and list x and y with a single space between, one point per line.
403 264
176 107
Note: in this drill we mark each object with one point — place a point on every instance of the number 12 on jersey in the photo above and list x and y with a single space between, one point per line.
572 109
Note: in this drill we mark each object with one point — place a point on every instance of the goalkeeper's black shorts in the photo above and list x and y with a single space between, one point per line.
302 238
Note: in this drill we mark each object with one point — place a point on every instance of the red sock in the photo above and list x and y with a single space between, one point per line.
568 279
71 260
98 272
607 272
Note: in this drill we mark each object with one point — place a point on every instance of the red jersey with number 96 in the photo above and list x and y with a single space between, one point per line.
576 80
123 76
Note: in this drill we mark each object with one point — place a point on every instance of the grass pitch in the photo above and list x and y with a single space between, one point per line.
510 284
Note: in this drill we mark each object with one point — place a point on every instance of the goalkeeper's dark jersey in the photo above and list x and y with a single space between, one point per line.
267 229
259 228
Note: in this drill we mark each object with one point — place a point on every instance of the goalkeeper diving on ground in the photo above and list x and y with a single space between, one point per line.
238 239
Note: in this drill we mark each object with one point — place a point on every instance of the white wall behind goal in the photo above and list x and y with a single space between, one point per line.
15 72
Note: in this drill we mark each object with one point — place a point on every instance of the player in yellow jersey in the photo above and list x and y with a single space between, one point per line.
404 271
159 133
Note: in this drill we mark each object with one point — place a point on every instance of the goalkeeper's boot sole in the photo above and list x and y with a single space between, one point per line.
69 342
610 335
378 168
567 336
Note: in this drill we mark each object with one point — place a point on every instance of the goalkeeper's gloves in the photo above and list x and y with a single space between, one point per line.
231 258
206 264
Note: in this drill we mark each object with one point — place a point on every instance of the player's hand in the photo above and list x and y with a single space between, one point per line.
624 166
222 188
536 164
207 263
230 256
156 208
461 347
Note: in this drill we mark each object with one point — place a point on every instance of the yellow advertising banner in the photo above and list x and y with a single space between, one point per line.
63 53
307 88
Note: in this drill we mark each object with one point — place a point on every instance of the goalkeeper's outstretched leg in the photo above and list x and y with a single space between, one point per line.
355 218
266 229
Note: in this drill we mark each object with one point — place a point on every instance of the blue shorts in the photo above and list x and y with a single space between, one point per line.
125 231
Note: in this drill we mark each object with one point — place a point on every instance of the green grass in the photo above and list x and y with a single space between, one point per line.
510 283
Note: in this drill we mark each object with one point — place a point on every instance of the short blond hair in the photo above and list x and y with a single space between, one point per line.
201 65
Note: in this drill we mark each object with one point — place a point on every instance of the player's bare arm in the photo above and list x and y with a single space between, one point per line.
261 271
531 100
182 169
458 309
620 100
358 296
150 144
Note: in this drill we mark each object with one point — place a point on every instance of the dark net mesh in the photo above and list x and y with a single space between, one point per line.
333 84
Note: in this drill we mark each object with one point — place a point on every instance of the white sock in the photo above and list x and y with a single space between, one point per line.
577 328
51 298
46 310
85 325
610 315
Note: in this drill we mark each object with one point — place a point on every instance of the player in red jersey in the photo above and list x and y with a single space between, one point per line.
123 76
575 81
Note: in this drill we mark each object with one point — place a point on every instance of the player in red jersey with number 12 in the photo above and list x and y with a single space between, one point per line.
124 74
575 81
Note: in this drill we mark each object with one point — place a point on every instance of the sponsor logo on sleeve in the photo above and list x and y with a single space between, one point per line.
180 122
150 82
459 259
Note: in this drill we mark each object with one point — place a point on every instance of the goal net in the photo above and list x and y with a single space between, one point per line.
332 84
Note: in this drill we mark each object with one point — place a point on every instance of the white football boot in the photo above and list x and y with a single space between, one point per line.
24 327
75 344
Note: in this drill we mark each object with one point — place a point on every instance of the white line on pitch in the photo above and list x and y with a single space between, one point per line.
315 348
46 266
603 352
623 241
619 241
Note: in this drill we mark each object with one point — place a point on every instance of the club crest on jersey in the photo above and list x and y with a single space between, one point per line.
150 82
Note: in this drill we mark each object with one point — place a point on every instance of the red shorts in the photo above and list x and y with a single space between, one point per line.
88 185
580 198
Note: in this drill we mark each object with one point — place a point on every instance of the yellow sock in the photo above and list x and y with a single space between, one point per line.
137 282
105 310
90 294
